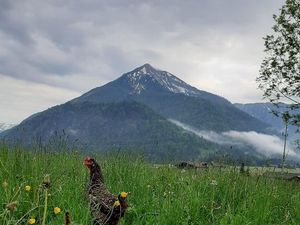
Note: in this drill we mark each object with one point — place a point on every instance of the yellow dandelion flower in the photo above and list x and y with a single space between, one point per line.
27 188
31 221
123 194
56 210
117 203
4 184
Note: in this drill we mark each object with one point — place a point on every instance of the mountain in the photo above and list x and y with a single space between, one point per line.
5 126
134 112
173 98
106 126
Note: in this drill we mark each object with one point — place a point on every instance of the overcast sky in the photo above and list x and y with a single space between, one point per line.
53 51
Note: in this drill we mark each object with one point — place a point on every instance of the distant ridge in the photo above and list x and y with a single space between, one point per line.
263 112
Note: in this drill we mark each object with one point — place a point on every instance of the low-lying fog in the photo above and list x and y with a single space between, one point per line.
263 143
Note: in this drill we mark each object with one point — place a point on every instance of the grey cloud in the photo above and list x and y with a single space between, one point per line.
12 24
156 26
77 45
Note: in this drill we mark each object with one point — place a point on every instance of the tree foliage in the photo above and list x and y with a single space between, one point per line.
280 70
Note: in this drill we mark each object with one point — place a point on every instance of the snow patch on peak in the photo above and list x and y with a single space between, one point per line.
5 126
139 78
170 75
143 70
180 89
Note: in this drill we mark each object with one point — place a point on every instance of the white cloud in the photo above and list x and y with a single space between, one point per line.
20 99
265 144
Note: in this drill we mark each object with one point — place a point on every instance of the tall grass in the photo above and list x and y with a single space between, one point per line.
157 194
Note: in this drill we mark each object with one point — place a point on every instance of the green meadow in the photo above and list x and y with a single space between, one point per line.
157 194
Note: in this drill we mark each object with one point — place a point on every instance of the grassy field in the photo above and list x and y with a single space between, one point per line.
157 195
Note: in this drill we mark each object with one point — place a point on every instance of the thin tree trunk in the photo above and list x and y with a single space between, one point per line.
284 147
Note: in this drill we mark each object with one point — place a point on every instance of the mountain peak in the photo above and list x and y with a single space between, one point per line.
148 66
149 81
145 76
146 69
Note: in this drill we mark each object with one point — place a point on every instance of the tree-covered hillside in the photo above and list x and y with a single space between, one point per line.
101 127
